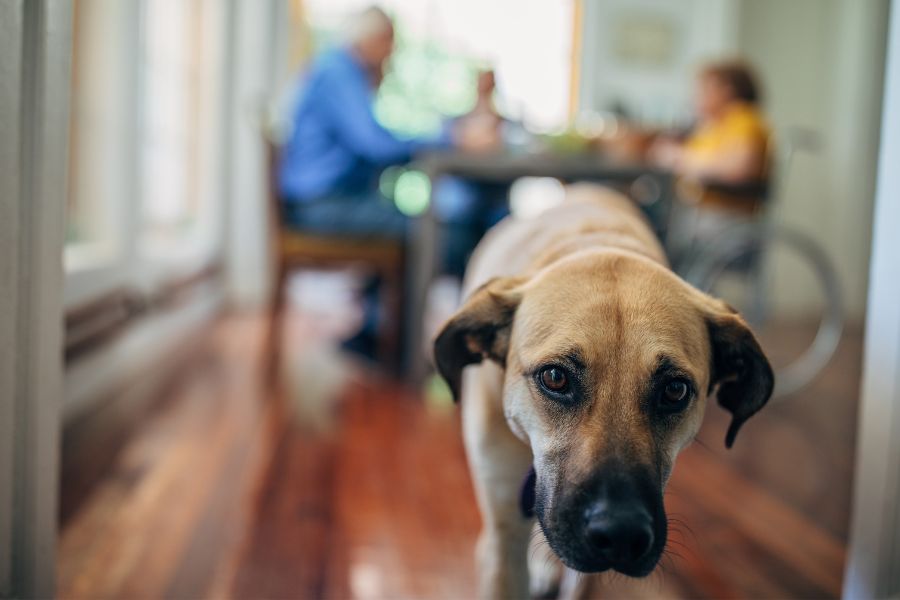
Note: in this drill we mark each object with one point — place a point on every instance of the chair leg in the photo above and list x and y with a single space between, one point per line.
272 353
389 333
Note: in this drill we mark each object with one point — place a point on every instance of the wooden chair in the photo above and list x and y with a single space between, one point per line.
293 249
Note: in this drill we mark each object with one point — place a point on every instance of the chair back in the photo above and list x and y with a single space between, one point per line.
779 156
275 206
781 152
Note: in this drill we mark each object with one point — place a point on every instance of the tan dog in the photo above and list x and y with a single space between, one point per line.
600 361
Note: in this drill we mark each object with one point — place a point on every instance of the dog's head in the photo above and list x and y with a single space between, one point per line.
609 359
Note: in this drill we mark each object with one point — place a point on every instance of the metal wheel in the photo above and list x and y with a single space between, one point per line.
745 251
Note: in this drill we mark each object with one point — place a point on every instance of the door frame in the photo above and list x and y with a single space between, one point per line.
874 549
35 51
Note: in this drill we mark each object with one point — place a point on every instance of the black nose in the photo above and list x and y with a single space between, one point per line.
621 536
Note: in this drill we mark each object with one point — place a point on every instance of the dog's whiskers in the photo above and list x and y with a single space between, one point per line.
704 445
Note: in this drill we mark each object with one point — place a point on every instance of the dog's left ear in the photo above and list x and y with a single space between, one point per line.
478 330
739 368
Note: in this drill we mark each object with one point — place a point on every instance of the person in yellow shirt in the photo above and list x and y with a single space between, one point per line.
723 162
729 142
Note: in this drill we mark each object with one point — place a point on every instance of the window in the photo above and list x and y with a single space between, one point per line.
442 43
179 123
98 157
145 145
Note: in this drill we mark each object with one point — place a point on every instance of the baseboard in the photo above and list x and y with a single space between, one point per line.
138 357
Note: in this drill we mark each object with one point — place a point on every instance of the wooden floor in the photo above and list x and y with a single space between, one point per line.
345 485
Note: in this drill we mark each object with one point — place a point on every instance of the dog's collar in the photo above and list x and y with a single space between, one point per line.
527 494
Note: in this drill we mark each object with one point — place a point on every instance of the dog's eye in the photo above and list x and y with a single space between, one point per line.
554 379
675 396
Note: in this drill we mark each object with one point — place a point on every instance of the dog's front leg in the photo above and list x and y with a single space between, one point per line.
498 462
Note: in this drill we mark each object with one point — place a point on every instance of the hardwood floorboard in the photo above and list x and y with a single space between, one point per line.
346 485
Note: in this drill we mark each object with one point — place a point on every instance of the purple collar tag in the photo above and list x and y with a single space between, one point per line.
527 495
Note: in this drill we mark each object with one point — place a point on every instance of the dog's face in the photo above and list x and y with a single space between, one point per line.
609 359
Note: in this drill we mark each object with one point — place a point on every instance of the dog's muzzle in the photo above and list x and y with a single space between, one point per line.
615 520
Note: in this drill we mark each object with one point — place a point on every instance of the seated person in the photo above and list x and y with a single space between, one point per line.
467 209
726 153
337 150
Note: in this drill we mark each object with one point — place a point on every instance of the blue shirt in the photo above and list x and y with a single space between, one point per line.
337 147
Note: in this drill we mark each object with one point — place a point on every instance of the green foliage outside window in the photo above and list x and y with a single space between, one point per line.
424 85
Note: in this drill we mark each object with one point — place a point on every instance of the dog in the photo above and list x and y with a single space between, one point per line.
583 365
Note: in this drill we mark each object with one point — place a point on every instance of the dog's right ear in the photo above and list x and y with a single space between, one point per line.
478 330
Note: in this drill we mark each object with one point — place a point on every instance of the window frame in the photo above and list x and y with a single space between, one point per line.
120 259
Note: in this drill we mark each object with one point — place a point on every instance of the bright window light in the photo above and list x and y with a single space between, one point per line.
441 44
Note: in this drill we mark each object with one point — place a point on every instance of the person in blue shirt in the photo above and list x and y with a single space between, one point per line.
467 209
336 150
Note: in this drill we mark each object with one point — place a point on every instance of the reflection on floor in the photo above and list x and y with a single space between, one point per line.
348 485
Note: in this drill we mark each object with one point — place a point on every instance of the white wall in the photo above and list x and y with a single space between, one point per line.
821 61
257 33
656 93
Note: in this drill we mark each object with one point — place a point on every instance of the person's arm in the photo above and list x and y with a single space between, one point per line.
739 162
350 107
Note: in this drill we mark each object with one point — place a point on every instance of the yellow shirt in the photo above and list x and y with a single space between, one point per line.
741 125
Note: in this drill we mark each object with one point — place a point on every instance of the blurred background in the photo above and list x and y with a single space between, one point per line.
220 437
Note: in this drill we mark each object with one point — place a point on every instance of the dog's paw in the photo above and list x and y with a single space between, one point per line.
544 568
